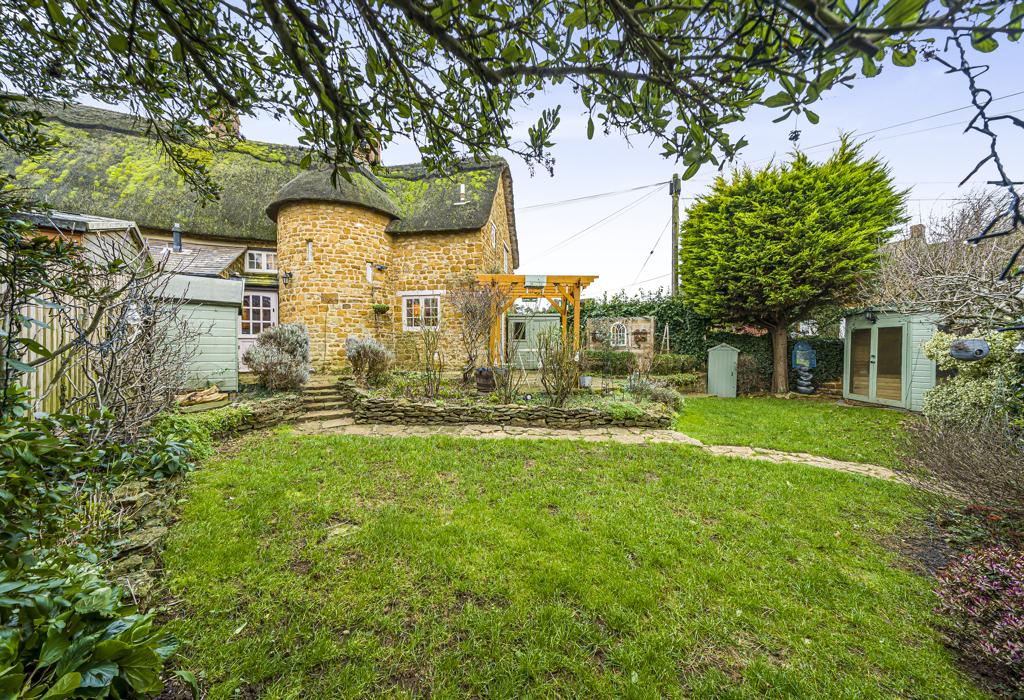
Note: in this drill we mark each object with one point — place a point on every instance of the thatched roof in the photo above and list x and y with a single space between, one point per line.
107 165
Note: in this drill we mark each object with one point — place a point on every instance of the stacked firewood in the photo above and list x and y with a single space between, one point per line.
194 398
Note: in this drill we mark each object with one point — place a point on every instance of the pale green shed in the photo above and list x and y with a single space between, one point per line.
722 361
884 360
211 306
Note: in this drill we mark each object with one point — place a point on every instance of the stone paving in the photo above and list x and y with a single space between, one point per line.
629 436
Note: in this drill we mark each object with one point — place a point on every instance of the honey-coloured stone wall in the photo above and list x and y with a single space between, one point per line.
330 293
326 247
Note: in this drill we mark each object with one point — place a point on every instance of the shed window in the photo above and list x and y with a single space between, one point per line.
618 335
519 330
420 312
261 261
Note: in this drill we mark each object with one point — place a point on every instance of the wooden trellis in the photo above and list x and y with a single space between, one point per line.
559 290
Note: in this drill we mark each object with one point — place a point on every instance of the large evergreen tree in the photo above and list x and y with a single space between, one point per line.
767 248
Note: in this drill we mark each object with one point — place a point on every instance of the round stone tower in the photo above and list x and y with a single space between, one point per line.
333 251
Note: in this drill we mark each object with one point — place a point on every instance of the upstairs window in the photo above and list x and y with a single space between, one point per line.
504 258
618 335
494 235
419 312
261 261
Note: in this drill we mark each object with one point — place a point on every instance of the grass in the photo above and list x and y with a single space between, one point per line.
850 433
342 567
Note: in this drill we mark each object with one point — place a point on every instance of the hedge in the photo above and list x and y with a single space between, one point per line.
689 334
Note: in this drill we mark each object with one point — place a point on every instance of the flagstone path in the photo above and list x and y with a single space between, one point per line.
630 436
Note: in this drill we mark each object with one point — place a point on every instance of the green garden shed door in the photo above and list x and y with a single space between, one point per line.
524 330
722 360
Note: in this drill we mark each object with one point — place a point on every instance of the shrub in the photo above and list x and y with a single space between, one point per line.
560 370
370 361
749 377
666 396
623 410
982 459
688 382
280 356
673 364
609 362
982 598
201 429
987 387
67 633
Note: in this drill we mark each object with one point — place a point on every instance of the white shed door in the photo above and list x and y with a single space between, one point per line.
259 312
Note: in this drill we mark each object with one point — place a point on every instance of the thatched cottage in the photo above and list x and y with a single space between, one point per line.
371 256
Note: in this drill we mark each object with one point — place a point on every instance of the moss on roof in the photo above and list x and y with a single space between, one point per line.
107 165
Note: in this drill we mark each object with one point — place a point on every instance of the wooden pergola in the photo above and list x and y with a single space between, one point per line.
559 290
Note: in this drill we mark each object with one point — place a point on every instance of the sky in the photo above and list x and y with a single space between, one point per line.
929 156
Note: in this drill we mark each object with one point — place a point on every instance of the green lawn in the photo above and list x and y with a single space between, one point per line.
333 567
851 433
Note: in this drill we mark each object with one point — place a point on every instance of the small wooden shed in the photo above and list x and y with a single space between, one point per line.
884 360
523 334
211 305
722 361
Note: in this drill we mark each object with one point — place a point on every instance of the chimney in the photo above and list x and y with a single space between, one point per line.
225 124
917 232
368 154
176 238
462 194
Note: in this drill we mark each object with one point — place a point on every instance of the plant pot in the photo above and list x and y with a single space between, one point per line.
586 381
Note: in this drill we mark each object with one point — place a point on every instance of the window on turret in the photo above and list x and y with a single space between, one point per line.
419 312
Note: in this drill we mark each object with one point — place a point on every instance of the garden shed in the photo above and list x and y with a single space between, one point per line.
524 331
884 360
211 305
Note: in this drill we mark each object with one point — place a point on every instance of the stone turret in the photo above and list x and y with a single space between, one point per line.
333 251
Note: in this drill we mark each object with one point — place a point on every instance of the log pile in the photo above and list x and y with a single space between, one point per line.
194 398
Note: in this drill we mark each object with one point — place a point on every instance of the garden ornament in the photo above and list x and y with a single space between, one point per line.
969 349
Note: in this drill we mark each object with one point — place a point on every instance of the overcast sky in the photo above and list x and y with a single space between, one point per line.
929 156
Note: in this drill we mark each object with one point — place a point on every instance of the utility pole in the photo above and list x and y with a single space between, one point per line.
673 190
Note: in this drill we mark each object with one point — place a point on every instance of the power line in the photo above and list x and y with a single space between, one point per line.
653 248
588 197
594 225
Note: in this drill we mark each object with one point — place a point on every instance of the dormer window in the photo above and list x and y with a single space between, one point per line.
261 261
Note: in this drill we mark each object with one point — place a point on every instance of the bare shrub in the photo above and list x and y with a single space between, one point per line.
432 361
478 307
370 360
97 327
749 378
559 367
980 459
509 378
280 356
940 272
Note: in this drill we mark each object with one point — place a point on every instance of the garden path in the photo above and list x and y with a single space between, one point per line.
631 436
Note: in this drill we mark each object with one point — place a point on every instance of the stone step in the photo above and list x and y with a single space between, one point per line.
325 389
321 405
326 414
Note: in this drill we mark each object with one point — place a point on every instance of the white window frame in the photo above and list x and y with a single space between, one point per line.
614 333
262 256
506 254
417 324
248 306
494 235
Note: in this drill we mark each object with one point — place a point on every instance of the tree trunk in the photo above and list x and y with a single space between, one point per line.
780 378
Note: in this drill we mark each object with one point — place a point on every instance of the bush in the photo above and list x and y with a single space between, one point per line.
67 633
370 361
983 459
559 368
201 429
609 362
983 600
688 382
750 379
666 396
988 387
673 364
280 357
